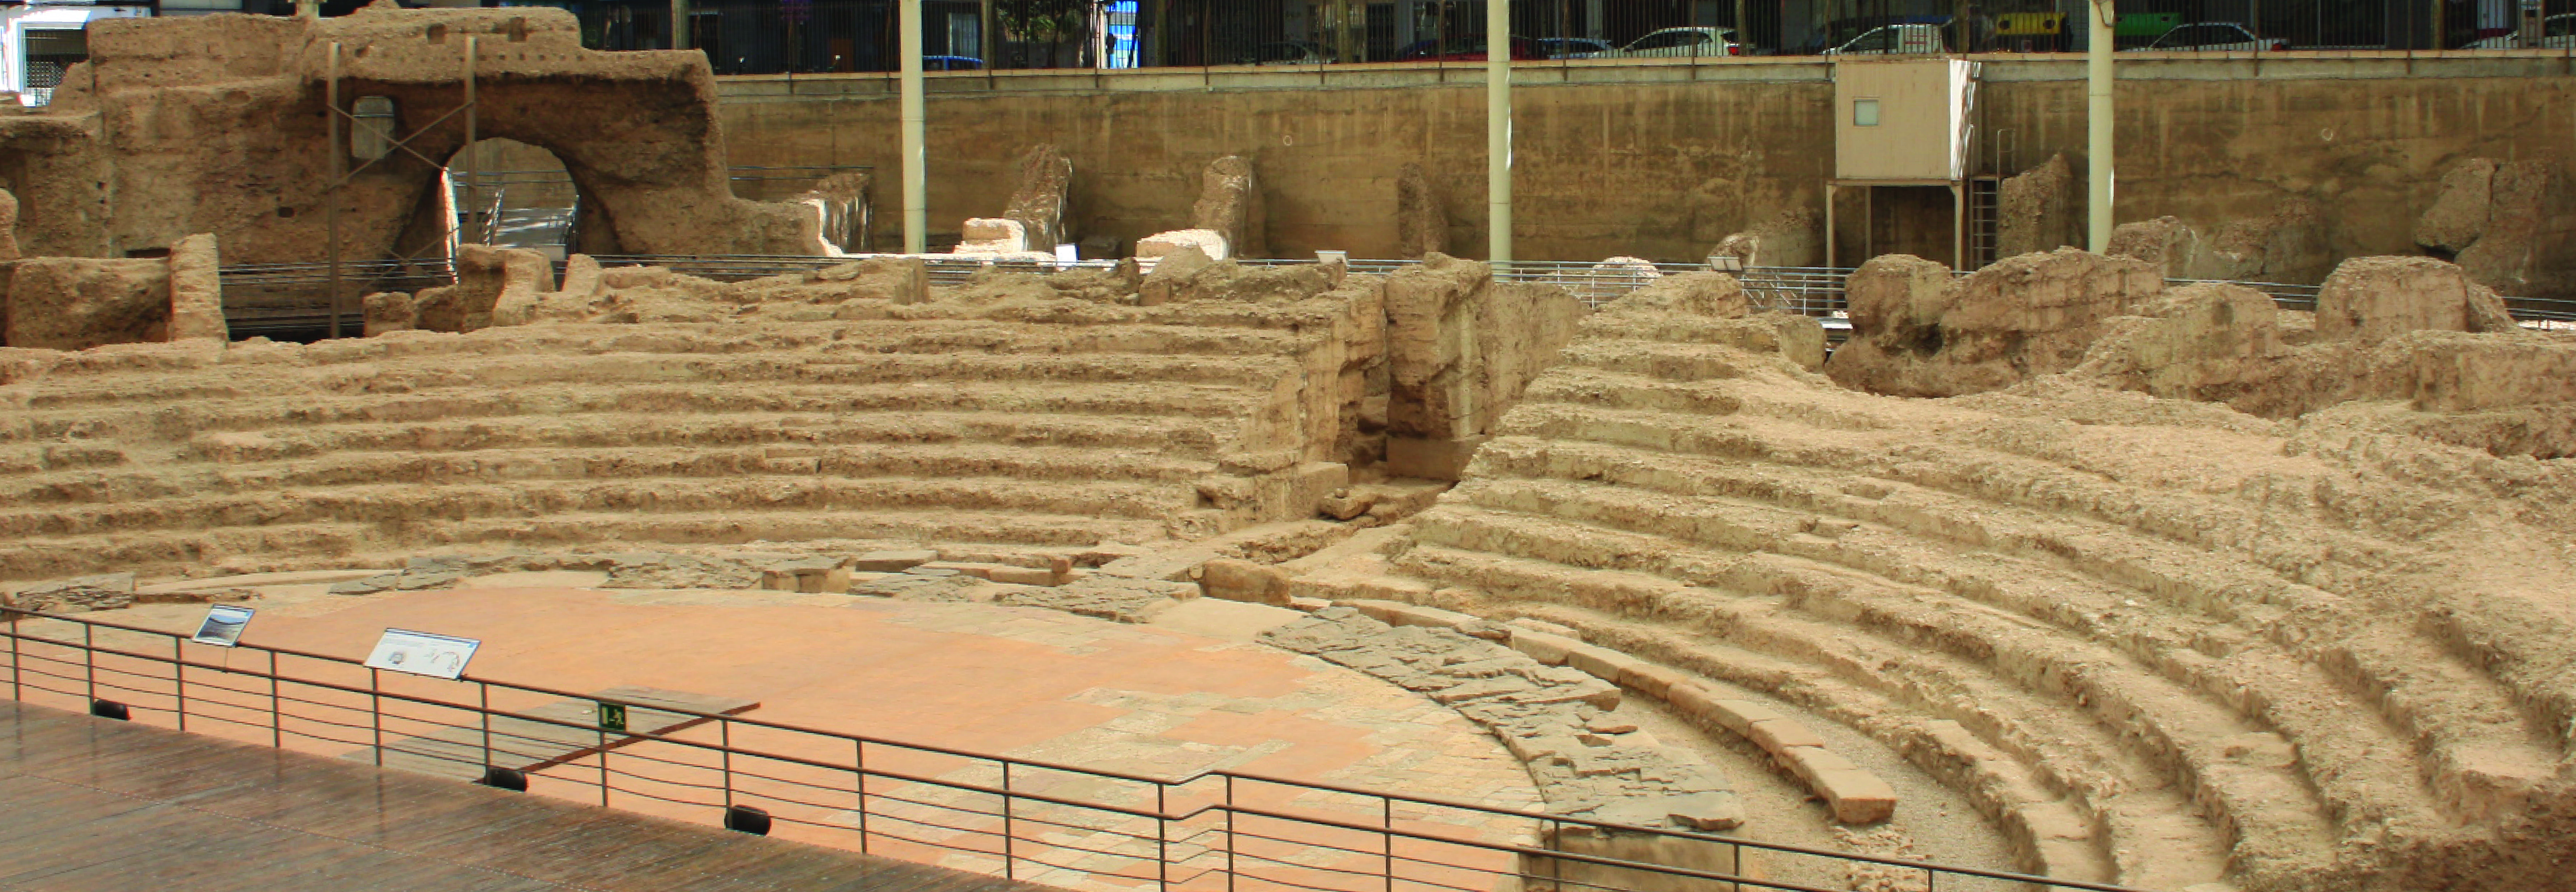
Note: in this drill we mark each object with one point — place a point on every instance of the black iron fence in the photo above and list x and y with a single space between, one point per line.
820 36
996 814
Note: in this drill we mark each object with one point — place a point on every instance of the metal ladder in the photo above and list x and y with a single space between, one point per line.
1985 197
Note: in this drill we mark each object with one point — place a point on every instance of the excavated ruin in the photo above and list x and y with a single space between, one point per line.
215 124
2170 586
2060 562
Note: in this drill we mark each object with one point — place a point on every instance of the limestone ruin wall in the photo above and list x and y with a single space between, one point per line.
215 124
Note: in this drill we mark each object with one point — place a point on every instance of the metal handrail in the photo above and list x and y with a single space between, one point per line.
1162 787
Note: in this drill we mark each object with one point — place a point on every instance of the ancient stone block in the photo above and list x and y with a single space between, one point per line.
2288 244
1209 242
72 303
993 235
196 291
1230 205
1038 204
898 280
2370 299
1448 313
1421 226
1545 648
2166 242
387 312
2037 210
1915 332
2459 214
494 286
8 225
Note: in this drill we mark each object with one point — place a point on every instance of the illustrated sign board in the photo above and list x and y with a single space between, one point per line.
423 653
223 626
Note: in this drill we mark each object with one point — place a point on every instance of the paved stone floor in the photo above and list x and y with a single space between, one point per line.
1025 682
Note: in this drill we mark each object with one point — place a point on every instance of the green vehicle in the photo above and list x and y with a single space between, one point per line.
2133 29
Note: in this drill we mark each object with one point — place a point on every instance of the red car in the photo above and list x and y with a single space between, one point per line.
1467 49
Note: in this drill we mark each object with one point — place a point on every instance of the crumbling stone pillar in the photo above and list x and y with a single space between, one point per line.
2036 210
2493 220
75 303
8 225
1230 205
196 291
1460 348
494 286
1039 203
1421 227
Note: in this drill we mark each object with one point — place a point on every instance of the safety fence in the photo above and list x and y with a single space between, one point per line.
996 814
1814 291
1810 290
820 36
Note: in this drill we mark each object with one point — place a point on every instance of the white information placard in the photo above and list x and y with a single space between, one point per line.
423 653
223 625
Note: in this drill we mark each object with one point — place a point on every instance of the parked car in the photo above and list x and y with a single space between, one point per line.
1571 47
951 63
1893 40
2215 37
1287 52
1466 49
2557 32
1676 42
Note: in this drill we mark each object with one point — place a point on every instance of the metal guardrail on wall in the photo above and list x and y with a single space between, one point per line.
1013 817
822 36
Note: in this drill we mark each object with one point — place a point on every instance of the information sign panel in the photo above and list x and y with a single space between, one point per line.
223 625
423 653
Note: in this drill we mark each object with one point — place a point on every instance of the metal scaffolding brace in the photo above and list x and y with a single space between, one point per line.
339 153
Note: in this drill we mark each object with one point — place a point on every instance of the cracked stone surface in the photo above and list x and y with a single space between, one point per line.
1552 718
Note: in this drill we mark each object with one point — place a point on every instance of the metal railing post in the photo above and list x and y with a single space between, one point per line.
276 707
1229 833
1007 869
17 674
1162 839
179 680
376 712
603 772
1386 821
859 766
483 704
724 739
89 660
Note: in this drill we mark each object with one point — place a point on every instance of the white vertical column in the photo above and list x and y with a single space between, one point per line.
1498 130
916 177
2097 127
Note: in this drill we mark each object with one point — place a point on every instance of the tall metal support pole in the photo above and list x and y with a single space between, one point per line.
680 25
916 177
471 113
331 196
2097 127
1498 130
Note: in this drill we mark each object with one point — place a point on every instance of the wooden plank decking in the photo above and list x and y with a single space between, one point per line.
91 804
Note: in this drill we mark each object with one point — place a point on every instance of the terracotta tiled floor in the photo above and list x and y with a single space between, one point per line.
1024 682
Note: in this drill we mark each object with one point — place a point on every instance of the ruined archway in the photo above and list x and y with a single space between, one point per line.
243 150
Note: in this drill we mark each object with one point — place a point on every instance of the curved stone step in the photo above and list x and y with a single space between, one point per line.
410 503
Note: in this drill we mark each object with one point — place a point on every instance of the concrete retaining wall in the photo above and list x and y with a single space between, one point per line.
1663 159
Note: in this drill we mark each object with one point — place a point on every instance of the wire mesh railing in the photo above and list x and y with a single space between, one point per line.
995 814
1813 291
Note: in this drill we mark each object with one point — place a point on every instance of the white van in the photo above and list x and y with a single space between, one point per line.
1893 40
